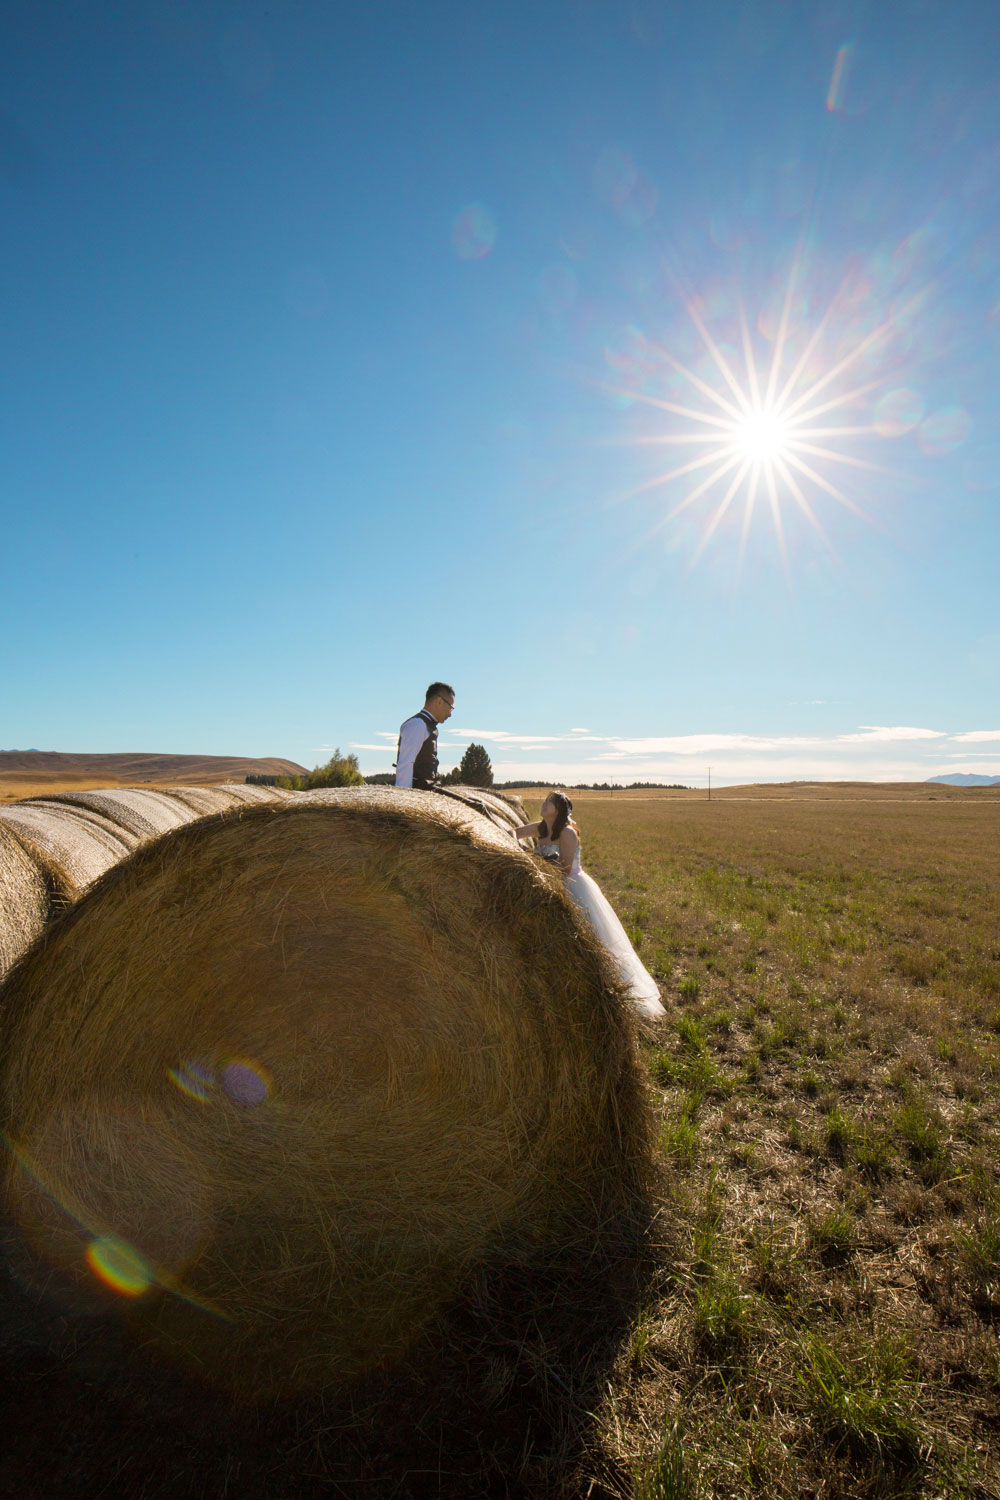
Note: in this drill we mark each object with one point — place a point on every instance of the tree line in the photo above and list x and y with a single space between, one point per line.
343 770
475 769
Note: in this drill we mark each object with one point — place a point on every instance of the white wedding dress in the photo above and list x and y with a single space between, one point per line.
596 907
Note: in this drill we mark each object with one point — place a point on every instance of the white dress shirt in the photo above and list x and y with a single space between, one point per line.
411 736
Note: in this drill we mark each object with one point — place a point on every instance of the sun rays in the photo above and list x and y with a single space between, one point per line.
751 431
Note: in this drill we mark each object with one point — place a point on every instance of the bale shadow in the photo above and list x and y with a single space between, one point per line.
491 1401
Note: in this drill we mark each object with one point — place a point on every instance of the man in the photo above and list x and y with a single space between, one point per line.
416 752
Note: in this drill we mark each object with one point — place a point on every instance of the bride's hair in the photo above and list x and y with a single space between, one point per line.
563 808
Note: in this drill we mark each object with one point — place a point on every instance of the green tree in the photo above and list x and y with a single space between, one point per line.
340 770
475 769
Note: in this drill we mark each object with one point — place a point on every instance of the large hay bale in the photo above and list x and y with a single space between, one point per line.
325 1058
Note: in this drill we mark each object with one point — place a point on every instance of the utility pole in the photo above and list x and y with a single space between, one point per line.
710 783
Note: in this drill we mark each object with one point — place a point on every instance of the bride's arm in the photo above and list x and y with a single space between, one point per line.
526 831
569 843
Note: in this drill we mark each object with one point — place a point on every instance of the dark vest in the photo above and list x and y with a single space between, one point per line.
425 767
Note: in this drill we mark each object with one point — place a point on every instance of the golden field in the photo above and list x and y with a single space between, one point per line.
818 1305
823 1315
40 773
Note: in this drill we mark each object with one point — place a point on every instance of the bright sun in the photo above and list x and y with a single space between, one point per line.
767 431
762 436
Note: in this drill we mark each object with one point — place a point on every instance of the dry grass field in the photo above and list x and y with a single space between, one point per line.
39 773
823 1320
820 1305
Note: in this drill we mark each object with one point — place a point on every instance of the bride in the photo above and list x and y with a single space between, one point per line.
559 841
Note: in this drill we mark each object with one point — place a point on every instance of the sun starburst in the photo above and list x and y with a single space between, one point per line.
775 428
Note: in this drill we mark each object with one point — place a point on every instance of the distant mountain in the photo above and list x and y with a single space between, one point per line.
965 778
52 767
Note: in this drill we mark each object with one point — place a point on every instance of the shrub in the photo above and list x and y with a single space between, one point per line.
340 770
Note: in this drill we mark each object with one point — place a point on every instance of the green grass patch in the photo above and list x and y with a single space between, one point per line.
669 1473
863 1398
720 1315
830 1137
832 1235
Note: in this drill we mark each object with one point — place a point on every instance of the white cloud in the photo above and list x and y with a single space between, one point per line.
507 736
869 733
868 752
498 735
702 744
354 745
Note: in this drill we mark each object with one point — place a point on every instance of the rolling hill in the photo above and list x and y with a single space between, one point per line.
965 778
25 773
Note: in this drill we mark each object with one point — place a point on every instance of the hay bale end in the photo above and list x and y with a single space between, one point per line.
329 1057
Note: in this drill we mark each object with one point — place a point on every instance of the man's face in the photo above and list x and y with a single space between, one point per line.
441 707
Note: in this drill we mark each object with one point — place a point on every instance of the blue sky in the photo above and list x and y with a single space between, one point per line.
351 346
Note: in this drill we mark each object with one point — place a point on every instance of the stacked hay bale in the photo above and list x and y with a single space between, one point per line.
71 838
26 898
280 1082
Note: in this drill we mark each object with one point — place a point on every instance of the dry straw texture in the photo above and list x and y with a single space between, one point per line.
25 898
74 844
204 800
288 1075
71 838
142 813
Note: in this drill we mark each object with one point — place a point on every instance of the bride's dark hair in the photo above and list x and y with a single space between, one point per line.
563 808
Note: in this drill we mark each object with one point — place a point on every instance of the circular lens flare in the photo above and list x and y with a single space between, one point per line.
245 1081
119 1265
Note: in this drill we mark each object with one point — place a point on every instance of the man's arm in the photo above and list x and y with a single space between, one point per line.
411 737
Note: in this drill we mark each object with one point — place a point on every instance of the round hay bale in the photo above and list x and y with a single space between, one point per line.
72 845
206 800
247 793
25 899
329 1056
144 814
71 838
501 808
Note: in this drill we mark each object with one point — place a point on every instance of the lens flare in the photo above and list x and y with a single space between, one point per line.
839 78
898 412
774 429
245 1082
474 232
111 1258
120 1266
194 1079
944 430
240 1079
